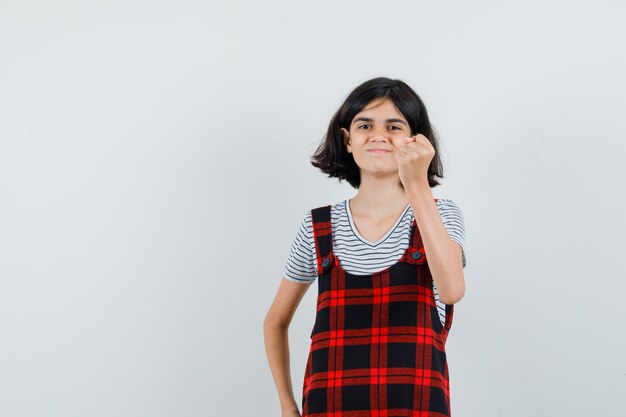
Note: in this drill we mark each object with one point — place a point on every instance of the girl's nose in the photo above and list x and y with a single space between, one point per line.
379 133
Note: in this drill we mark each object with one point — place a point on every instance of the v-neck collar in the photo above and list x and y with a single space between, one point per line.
385 236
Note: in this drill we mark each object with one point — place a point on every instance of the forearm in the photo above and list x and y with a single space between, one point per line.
442 252
277 351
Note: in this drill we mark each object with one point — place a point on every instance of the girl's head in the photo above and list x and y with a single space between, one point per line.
406 116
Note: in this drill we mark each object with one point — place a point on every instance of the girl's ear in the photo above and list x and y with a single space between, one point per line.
346 138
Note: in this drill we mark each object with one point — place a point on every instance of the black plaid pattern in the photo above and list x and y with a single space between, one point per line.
377 346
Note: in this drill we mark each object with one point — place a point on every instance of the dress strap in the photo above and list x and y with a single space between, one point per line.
322 232
416 254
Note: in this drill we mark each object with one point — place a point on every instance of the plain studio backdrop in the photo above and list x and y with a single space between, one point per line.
154 170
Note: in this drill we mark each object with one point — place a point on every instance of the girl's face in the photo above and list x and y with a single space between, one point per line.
372 136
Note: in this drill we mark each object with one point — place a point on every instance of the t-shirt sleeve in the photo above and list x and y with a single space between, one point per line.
301 264
453 220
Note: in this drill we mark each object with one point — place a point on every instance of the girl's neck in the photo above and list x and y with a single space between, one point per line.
378 197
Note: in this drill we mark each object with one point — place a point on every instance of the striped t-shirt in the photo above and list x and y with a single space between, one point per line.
359 256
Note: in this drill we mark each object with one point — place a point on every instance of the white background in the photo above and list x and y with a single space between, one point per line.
154 169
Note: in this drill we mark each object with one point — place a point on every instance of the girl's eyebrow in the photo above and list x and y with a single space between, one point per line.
368 119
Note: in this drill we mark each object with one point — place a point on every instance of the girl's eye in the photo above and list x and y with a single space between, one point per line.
393 127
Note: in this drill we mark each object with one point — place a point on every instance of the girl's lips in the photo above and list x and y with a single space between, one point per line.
378 150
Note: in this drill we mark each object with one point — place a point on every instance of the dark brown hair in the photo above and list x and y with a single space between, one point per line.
332 157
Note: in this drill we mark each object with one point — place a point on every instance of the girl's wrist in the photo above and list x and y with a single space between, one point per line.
420 189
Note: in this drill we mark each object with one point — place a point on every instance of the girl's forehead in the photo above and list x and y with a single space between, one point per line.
381 105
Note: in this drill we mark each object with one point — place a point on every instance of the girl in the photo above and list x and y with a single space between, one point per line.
389 264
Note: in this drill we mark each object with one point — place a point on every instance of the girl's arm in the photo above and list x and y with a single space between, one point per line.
275 331
443 253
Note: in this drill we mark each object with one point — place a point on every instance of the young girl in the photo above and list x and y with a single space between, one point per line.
389 264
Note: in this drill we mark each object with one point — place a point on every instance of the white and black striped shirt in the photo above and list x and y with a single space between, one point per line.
360 256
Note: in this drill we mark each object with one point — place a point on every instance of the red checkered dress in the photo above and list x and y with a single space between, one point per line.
378 345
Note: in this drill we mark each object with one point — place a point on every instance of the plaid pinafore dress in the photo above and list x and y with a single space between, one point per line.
377 345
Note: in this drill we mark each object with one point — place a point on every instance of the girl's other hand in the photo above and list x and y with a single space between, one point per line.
290 413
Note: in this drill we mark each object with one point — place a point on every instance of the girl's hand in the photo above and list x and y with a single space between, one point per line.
290 413
413 155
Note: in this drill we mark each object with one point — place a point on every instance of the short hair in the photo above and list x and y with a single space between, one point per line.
333 158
